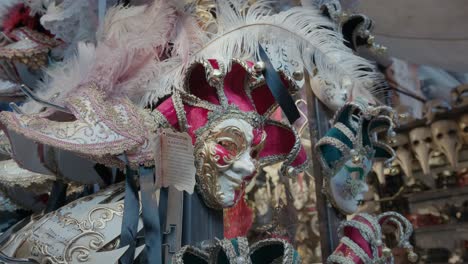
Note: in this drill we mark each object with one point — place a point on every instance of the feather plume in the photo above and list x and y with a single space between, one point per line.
19 16
37 6
5 7
301 33
186 37
132 37
119 21
61 78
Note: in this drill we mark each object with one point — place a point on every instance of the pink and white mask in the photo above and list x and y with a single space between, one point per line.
226 159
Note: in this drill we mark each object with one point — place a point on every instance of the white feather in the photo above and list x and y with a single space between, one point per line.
61 78
132 38
37 6
303 33
118 21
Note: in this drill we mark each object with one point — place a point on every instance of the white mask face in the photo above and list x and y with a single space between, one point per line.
404 157
447 139
230 154
334 97
348 186
230 180
421 143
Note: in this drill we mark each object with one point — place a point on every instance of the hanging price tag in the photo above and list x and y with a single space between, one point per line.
174 160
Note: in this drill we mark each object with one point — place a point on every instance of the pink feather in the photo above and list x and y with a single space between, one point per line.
188 37
132 37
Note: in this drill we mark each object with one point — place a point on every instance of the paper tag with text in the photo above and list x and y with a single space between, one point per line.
174 160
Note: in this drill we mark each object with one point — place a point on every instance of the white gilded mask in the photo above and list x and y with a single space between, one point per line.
447 139
404 157
421 143
226 159
348 185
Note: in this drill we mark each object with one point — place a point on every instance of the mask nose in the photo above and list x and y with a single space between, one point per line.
244 165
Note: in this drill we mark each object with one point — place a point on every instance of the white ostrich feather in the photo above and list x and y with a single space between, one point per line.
182 31
132 38
37 6
119 21
61 78
302 33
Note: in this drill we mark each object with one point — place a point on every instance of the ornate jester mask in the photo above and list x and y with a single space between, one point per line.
226 112
348 149
361 239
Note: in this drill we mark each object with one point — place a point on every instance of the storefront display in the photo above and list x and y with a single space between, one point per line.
228 131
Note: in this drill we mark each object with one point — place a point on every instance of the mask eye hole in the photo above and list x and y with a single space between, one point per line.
465 129
452 132
406 146
416 143
428 140
254 153
439 136
228 146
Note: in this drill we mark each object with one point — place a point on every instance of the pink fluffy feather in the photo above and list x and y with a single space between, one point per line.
132 37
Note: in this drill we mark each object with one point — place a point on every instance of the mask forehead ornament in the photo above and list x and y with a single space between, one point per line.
348 150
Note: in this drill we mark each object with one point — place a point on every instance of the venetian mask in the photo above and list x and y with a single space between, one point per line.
349 185
404 157
362 239
334 97
463 124
348 150
460 96
447 139
84 231
225 160
421 143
